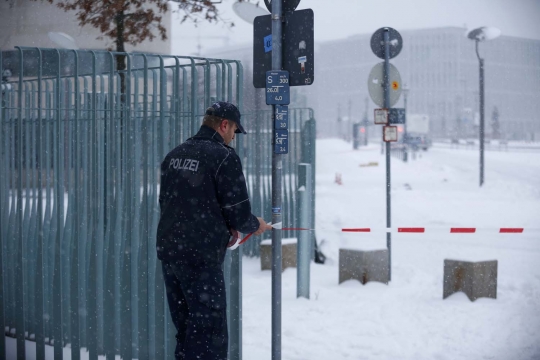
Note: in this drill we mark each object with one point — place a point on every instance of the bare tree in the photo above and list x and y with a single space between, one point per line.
134 21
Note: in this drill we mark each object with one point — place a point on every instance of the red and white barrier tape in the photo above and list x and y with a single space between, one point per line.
237 240
452 230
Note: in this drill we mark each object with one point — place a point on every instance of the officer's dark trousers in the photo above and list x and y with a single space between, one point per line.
196 296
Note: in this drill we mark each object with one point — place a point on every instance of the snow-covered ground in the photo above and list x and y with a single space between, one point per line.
408 319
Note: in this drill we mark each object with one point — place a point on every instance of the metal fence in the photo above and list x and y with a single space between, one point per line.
80 147
257 160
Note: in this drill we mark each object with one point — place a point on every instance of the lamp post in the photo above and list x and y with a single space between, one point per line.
481 34
405 90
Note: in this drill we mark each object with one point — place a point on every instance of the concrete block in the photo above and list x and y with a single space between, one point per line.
288 254
363 266
475 279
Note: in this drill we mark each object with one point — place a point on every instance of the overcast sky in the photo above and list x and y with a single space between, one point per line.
335 19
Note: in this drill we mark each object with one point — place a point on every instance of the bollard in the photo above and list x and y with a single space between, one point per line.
364 266
289 250
475 279
305 248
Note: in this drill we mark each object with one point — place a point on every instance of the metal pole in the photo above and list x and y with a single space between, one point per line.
277 165
387 106
405 127
366 137
349 120
3 223
304 237
481 64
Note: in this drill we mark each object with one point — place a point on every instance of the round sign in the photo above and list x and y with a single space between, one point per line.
394 38
286 5
376 83
248 11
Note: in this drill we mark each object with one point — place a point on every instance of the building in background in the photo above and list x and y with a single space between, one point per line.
440 68
27 23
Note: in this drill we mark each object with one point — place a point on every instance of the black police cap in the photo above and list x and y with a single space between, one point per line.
227 111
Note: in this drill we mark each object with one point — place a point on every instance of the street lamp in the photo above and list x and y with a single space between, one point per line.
405 91
481 34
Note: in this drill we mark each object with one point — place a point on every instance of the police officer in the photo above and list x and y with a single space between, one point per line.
203 200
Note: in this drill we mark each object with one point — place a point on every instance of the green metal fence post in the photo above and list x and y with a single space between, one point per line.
59 220
74 306
19 265
128 238
143 309
3 221
109 295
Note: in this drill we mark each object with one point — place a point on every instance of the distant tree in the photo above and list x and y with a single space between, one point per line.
495 124
457 127
134 21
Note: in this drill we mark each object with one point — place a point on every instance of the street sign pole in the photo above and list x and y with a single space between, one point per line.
482 123
386 86
277 165
405 159
386 44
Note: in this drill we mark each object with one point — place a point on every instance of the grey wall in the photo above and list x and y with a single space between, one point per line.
27 23
441 69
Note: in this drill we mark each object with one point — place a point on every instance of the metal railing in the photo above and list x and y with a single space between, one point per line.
80 148
257 160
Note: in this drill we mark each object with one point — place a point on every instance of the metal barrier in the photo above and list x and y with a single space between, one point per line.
84 157
80 148
400 152
257 160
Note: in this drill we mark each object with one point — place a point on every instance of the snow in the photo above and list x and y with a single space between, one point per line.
408 319
286 241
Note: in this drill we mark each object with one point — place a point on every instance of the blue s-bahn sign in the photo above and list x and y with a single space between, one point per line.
277 87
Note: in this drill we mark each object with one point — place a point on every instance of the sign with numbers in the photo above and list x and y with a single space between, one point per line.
281 119
277 87
281 142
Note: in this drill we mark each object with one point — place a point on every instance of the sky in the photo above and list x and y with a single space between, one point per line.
343 18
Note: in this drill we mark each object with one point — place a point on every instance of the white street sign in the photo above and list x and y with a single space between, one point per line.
381 116
375 84
390 133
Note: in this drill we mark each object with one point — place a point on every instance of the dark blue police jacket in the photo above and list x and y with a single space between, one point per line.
203 194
